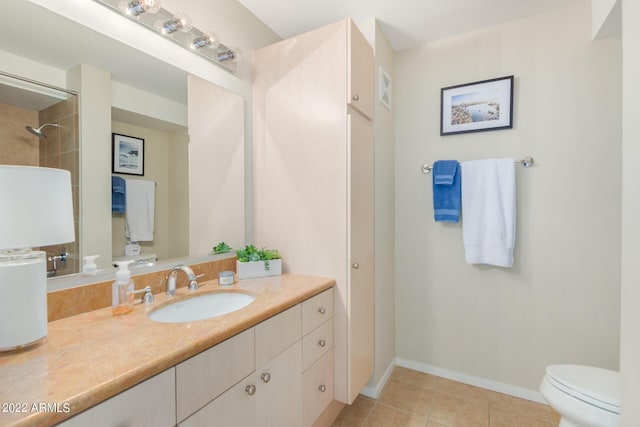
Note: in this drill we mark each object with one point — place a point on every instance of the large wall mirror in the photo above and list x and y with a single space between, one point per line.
144 98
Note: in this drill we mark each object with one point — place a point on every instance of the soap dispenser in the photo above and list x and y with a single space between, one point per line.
90 264
122 290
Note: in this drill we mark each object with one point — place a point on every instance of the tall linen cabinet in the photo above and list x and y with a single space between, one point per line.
313 182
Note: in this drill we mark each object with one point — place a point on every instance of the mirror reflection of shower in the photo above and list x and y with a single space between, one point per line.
52 115
39 131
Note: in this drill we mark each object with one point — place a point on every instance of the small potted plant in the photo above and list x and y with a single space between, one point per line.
254 262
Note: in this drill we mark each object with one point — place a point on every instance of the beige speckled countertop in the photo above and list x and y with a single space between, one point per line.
88 358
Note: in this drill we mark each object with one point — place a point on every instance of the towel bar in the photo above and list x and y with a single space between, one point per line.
526 162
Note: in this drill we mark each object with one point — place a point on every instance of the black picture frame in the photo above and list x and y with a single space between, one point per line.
476 107
127 154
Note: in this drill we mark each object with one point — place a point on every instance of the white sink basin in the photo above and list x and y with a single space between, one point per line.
203 306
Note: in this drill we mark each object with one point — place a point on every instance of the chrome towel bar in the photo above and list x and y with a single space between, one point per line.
526 162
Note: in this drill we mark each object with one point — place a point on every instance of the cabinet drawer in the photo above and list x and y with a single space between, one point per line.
276 334
208 374
316 343
317 310
317 378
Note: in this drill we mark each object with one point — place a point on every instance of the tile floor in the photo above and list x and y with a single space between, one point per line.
415 399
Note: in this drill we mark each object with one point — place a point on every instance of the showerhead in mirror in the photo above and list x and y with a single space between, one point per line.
38 131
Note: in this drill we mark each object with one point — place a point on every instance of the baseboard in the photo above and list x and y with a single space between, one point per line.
374 392
511 390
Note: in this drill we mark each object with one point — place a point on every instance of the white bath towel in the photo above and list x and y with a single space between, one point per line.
489 211
140 210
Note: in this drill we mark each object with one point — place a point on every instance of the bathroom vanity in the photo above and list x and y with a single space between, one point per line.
270 363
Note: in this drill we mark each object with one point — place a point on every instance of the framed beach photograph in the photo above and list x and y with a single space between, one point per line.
478 106
127 154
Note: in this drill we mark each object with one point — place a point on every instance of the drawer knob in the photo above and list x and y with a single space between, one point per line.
322 343
356 97
321 310
355 266
322 388
266 377
250 389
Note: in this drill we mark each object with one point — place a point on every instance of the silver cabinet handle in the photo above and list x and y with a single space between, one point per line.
250 389
355 97
321 310
355 266
266 377
322 388
322 343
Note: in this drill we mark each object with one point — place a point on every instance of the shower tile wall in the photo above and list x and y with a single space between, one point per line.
61 150
17 146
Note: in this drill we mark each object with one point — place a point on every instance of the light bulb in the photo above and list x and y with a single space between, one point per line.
179 22
137 7
207 39
232 54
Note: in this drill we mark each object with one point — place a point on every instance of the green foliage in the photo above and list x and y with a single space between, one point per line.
221 247
251 253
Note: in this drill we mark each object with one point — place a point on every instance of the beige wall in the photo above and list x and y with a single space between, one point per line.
560 302
630 333
157 166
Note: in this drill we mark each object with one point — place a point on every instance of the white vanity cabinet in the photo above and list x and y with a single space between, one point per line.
272 395
313 141
150 403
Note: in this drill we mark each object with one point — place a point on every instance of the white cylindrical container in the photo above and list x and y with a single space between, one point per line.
23 299
226 278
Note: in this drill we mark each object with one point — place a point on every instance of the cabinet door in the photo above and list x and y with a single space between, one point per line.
205 376
279 390
151 403
361 73
234 408
360 309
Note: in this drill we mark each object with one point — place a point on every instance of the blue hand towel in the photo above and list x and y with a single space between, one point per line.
446 191
118 192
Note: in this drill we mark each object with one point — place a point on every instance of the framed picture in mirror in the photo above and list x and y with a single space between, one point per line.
127 154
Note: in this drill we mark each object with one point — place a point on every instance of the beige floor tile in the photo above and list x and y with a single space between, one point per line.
520 406
555 417
456 412
463 391
502 418
407 396
355 414
386 416
432 424
419 378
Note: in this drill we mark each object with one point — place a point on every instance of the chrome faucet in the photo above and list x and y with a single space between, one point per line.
171 278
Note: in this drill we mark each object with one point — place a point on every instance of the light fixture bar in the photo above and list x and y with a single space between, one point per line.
165 24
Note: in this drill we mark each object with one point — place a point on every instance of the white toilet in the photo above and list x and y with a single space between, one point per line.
583 395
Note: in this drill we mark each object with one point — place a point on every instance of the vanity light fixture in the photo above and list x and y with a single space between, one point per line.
138 7
176 27
208 39
232 54
179 22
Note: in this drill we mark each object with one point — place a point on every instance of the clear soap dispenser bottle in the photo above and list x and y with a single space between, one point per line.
122 290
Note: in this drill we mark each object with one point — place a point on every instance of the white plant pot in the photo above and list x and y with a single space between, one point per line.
247 270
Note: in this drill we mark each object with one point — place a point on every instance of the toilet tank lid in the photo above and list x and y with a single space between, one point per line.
595 383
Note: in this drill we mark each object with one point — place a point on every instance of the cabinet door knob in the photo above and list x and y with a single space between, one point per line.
355 266
355 97
266 377
322 388
322 343
321 310
250 389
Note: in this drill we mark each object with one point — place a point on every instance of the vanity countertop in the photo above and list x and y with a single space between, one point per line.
88 358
